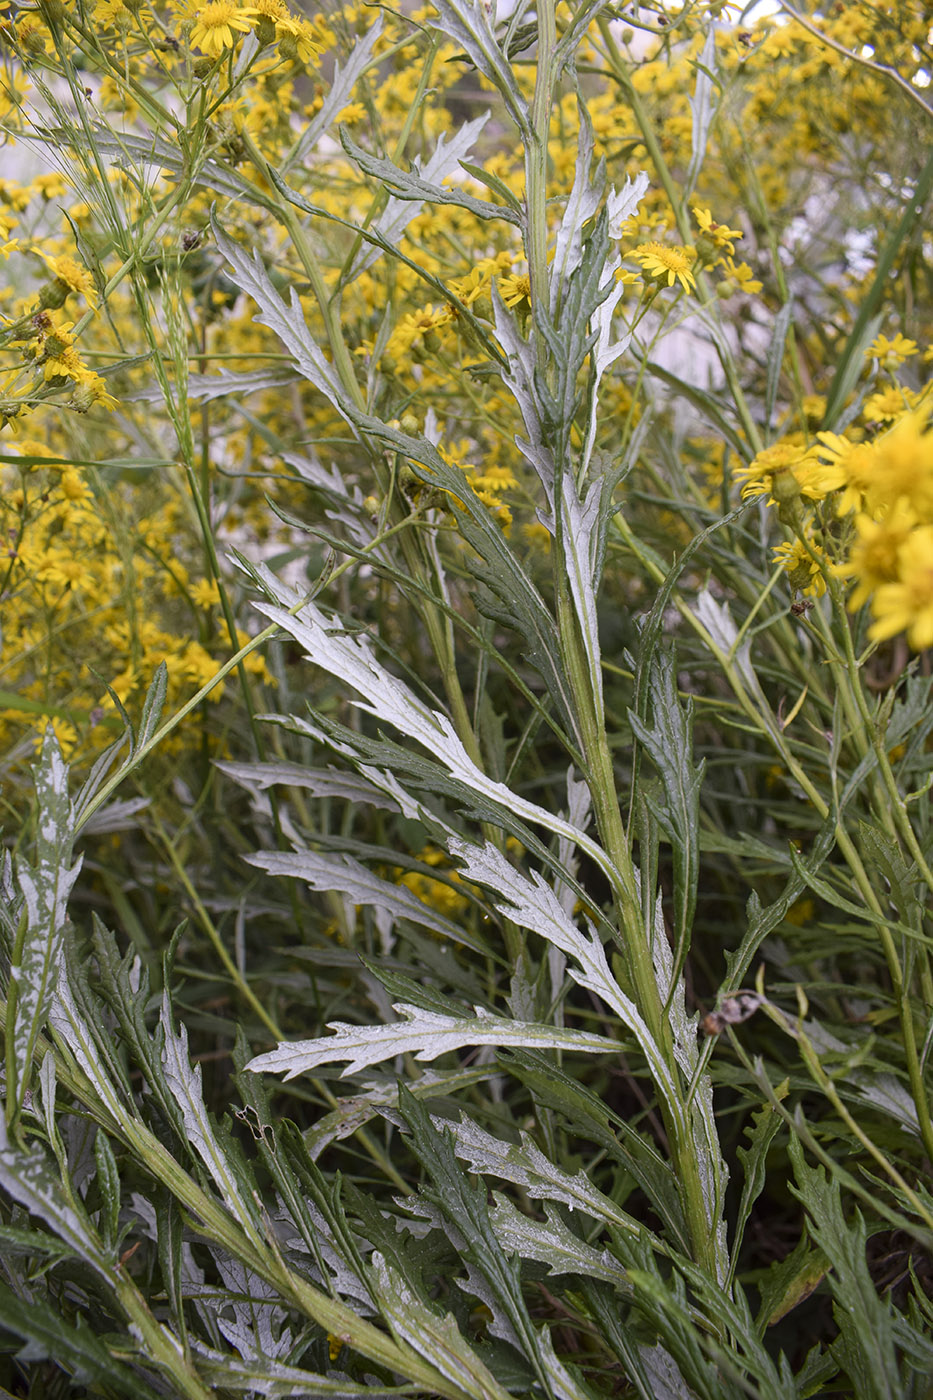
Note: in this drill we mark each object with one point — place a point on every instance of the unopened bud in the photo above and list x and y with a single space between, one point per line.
265 31
54 294
785 487
288 47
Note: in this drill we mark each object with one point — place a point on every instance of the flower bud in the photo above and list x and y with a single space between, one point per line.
54 294
83 399
288 47
265 31
785 487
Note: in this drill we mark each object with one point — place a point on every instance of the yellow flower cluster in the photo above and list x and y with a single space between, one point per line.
888 484
114 289
877 513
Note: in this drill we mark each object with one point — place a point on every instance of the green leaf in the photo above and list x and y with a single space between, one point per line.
424 1034
469 24
257 1375
865 1349
782 324
532 904
551 1243
184 1083
169 1238
701 110
790 1282
73 1347
526 1166
108 1186
361 887
669 741
152 707
422 188
434 1336
462 1202
850 363
594 1121
31 1178
492 182
38 950
754 1159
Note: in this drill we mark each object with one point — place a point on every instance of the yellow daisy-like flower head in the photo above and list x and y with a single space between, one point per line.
845 465
516 289
297 40
780 473
907 605
898 465
885 406
217 26
714 238
872 559
891 353
69 276
740 277
803 567
665 266
903 465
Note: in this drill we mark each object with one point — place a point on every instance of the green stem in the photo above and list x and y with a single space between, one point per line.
536 158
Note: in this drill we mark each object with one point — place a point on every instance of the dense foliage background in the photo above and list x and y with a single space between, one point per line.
468 518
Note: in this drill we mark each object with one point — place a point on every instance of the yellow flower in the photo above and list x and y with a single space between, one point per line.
515 290
296 40
91 390
904 463
717 235
667 265
779 472
495 479
52 185
418 326
907 605
69 276
62 568
891 353
437 893
206 593
59 357
873 558
876 475
884 407
742 275
74 487
842 463
217 25
478 281
803 567
65 733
